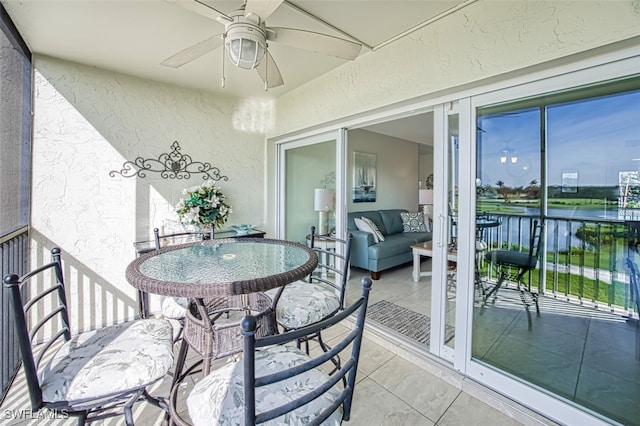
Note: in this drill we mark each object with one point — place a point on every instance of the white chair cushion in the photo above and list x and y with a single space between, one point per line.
109 360
174 307
218 399
303 303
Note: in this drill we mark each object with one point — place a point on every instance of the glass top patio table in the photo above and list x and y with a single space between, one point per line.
222 267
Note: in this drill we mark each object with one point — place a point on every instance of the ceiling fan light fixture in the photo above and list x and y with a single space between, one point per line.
245 45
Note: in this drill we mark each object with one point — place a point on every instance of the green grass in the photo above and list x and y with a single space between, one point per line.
513 205
615 293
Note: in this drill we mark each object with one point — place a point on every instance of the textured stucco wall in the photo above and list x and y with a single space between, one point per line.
484 39
88 122
487 39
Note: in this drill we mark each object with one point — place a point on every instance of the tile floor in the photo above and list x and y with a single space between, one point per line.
590 357
587 356
398 383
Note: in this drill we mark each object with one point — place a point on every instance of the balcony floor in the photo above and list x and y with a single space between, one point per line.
588 356
398 382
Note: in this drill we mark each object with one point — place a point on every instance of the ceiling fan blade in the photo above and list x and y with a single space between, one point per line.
200 8
193 52
262 8
315 42
269 72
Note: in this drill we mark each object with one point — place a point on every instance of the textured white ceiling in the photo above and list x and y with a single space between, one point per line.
135 36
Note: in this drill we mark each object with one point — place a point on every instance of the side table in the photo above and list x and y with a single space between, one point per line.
322 244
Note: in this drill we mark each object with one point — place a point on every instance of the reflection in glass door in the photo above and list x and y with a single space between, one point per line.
452 231
310 190
310 184
569 160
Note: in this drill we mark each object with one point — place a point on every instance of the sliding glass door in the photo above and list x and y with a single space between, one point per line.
311 191
565 320
449 276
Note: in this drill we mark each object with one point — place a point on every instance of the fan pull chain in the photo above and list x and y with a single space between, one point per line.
266 68
224 52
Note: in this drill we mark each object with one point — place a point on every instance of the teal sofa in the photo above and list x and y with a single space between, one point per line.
393 251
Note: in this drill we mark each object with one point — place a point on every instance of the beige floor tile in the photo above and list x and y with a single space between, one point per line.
373 405
469 411
423 391
372 357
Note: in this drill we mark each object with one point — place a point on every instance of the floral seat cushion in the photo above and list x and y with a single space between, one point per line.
109 360
218 399
303 303
174 307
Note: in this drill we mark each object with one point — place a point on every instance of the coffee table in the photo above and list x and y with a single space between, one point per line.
426 249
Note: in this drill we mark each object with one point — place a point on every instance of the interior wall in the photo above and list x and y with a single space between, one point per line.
87 123
397 162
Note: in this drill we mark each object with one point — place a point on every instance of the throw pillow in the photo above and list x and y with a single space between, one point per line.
376 230
365 227
413 222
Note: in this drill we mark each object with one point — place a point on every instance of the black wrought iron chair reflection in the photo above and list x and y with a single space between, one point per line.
633 256
277 381
513 265
91 373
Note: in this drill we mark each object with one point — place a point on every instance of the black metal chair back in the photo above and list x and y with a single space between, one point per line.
515 264
158 237
346 371
51 307
42 325
634 284
333 264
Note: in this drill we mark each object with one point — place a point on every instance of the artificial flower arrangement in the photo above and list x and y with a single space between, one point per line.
203 205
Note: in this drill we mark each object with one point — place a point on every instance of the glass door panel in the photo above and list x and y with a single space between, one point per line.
309 190
571 161
452 229
445 232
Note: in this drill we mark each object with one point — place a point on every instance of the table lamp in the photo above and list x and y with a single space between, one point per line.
323 204
425 198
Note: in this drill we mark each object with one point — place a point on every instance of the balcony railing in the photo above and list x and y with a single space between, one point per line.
583 260
14 252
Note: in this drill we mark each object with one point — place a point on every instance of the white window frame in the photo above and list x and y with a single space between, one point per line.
564 78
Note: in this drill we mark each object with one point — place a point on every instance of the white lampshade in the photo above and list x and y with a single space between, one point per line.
425 196
322 199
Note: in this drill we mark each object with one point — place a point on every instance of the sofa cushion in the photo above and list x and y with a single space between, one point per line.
391 221
375 229
413 222
373 215
364 226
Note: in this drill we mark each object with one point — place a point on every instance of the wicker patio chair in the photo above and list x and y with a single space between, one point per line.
90 374
276 381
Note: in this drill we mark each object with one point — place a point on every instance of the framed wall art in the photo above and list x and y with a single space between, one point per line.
364 177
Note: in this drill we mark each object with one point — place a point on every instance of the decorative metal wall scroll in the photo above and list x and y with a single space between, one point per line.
173 165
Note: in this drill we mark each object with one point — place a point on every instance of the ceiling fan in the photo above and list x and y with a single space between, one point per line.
246 35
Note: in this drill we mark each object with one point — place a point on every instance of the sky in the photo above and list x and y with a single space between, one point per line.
594 139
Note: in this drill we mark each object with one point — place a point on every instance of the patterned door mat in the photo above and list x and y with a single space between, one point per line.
410 324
